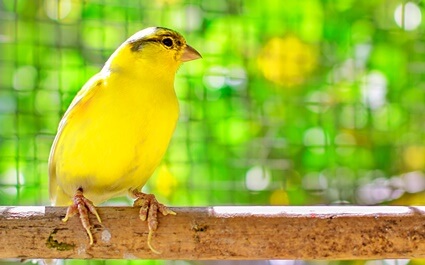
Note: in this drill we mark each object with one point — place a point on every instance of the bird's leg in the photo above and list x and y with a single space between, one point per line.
149 208
82 206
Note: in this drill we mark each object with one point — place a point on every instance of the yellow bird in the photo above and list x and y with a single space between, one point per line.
118 127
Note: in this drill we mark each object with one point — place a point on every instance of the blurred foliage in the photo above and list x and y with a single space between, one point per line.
295 102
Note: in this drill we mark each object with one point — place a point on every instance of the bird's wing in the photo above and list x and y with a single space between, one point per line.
82 98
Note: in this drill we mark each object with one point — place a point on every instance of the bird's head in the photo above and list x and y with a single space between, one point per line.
156 47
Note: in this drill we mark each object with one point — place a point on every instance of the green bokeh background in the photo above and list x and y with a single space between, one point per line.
294 102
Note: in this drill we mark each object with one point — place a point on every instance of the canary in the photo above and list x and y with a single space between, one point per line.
118 127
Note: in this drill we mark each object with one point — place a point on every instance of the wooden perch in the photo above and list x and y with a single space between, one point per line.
219 233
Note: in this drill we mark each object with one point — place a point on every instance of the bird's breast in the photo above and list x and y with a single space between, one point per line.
118 138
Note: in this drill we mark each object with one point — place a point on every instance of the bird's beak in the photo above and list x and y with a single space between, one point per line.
190 54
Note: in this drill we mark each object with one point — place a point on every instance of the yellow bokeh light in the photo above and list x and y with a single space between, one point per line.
279 197
287 61
414 157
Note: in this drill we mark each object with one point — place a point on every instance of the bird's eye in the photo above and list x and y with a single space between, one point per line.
167 42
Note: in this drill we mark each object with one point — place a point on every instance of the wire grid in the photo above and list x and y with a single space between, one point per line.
307 102
242 135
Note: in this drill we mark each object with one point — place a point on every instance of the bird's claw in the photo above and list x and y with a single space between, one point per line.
149 208
82 206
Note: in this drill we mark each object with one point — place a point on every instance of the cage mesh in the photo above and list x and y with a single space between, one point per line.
293 103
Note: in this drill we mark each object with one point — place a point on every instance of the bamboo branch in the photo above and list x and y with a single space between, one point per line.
243 233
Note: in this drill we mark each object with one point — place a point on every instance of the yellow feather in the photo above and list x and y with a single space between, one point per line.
118 127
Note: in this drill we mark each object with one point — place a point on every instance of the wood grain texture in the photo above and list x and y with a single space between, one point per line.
242 233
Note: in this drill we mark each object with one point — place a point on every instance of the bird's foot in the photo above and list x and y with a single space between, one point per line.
82 206
149 208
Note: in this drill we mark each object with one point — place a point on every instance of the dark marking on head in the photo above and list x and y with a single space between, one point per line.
168 38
